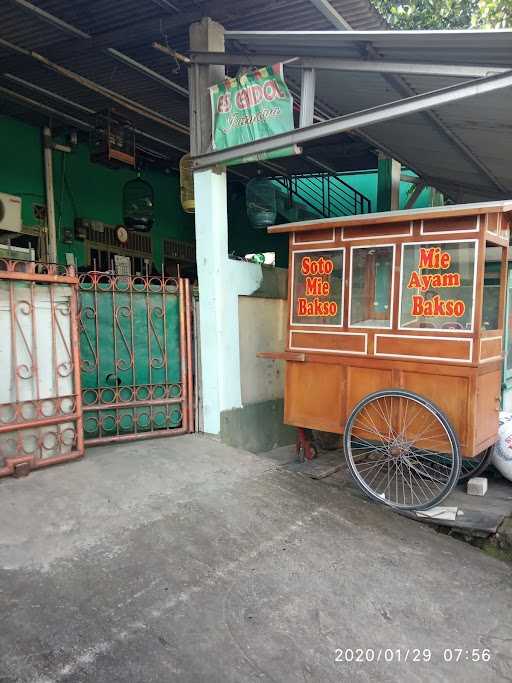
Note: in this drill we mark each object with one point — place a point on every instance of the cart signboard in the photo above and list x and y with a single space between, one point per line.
438 285
252 106
318 287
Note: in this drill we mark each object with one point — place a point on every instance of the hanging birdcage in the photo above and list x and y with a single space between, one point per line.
138 205
261 203
112 140
187 184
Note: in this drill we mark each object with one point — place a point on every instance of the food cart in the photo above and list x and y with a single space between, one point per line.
395 336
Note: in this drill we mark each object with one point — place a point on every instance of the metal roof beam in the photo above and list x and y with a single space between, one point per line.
49 18
146 71
166 5
361 119
339 64
332 15
405 90
161 23
65 27
402 87
121 100
86 110
63 116
112 36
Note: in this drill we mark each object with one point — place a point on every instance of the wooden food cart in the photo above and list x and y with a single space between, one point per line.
395 336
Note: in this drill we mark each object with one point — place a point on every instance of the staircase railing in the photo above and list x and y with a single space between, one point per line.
327 194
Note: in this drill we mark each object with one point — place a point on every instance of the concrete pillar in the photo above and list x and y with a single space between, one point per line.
221 282
211 255
220 279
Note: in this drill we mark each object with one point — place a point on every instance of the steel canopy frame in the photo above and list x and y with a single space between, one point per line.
341 64
360 119
396 80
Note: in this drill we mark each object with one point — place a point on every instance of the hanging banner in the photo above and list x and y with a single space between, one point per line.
255 105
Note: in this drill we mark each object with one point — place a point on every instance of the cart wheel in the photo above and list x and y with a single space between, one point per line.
301 452
474 467
401 450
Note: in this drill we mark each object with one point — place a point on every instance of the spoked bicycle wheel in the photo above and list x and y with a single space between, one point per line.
401 450
474 467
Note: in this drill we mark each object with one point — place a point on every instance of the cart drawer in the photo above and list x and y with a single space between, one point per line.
314 396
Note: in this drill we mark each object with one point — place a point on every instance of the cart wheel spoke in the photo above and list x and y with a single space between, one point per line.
401 450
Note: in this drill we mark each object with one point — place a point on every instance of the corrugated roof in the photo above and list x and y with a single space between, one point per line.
468 145
131 27
450 47
464 146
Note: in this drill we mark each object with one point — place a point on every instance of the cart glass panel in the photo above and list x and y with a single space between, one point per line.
318 287
438 285
492 284
371 279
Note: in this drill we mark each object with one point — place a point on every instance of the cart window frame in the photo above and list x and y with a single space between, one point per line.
326 248
389 326
438 242
501 271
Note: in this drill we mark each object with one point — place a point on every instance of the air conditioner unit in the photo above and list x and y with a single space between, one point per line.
10 213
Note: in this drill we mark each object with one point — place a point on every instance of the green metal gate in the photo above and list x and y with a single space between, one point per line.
136 357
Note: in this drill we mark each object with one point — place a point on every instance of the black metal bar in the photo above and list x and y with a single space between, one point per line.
326 193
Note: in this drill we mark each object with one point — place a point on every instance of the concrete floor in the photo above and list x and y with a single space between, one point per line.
184 560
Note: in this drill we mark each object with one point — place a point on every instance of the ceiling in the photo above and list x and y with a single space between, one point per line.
61 61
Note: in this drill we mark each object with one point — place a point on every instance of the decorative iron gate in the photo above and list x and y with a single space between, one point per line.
136 357
40 399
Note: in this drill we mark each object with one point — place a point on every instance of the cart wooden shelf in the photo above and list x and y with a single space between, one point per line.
406 307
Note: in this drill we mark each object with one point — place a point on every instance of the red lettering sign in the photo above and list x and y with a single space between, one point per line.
317 286
316 308
437 307
320 266
434 259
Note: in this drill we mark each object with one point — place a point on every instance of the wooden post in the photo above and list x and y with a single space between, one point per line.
205 36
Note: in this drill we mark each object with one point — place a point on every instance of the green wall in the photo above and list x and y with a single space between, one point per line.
21 165
94 191
86 190
243 239
366 183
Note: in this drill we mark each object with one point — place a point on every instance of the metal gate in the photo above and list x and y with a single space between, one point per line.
136 357
40 401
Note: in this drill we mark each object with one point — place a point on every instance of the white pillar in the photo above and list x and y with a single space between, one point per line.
211 254
221 281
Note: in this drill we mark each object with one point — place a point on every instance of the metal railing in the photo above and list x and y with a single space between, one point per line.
325 193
